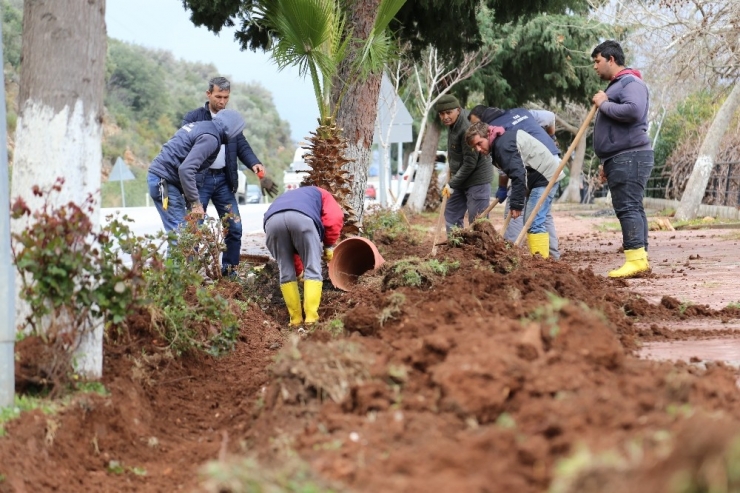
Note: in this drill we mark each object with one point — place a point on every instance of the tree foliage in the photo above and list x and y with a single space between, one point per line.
543 58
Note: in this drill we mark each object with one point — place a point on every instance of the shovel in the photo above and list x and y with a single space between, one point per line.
554 178
440 220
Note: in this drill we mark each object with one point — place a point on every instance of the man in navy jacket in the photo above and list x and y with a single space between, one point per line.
172 174
220 181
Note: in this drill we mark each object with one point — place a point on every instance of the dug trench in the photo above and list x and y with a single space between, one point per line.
483 369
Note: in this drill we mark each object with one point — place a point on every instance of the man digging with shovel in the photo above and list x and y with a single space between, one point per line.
530 165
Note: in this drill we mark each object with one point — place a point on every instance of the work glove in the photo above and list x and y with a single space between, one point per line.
328 254
268 186
446 191
501 194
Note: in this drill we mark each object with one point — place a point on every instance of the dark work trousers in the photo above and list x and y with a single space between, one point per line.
627 174
216 189
473 199
288 233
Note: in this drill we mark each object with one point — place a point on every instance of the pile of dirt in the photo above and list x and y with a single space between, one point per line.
489 373
490 376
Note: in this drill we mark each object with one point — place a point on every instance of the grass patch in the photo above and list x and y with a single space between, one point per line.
392 309
25 403
386 221
246 475
609 226
416 273
549 315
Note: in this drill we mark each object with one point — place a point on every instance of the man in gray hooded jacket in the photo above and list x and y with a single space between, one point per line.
193 148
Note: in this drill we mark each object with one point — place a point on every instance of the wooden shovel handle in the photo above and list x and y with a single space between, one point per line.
554 178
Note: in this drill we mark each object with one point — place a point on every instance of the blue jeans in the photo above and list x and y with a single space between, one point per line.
214 187
516 225
540 220
174 217
627 174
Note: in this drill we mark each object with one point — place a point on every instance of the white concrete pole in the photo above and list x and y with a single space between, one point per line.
7 273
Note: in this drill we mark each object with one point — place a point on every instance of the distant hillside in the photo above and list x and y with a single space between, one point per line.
147 92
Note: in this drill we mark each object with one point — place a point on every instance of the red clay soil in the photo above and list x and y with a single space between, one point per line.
479 380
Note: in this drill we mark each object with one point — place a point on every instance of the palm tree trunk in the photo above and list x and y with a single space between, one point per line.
358 108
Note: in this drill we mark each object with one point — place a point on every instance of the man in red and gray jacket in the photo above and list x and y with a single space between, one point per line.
299 224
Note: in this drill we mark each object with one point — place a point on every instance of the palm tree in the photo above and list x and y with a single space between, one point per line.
313 35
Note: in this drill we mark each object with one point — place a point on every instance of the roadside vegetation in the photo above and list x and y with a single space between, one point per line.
147 92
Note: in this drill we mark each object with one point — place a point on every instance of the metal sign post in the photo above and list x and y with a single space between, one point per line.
122 173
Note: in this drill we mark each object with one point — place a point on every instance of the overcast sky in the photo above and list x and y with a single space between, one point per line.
164 24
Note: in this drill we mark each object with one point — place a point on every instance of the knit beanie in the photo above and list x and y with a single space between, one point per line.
446 102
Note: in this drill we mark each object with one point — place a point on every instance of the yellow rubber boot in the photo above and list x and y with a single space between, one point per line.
292 298
636 262
539 243
312 299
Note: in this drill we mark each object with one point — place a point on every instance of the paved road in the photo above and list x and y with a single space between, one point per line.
146 221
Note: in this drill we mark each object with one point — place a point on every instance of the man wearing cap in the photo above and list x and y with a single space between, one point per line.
471 172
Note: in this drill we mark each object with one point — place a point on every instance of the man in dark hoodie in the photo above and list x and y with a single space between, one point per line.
622 144
471 172
193 148
220 181
522 119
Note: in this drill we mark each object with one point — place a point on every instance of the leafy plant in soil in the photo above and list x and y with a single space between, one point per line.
74 279
73 276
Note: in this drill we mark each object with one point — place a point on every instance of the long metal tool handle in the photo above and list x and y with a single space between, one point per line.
554 178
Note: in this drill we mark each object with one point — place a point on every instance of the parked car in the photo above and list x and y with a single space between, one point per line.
409 175
247 194
241 189
370 192
296 172
254 194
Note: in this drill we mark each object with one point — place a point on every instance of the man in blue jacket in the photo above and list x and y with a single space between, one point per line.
622 144
220 181
521 119
530 165
172 174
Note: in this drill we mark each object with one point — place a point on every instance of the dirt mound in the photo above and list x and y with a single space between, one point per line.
520 359
491 371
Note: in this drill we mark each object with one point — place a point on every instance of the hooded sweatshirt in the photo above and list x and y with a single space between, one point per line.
194 148
621 122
